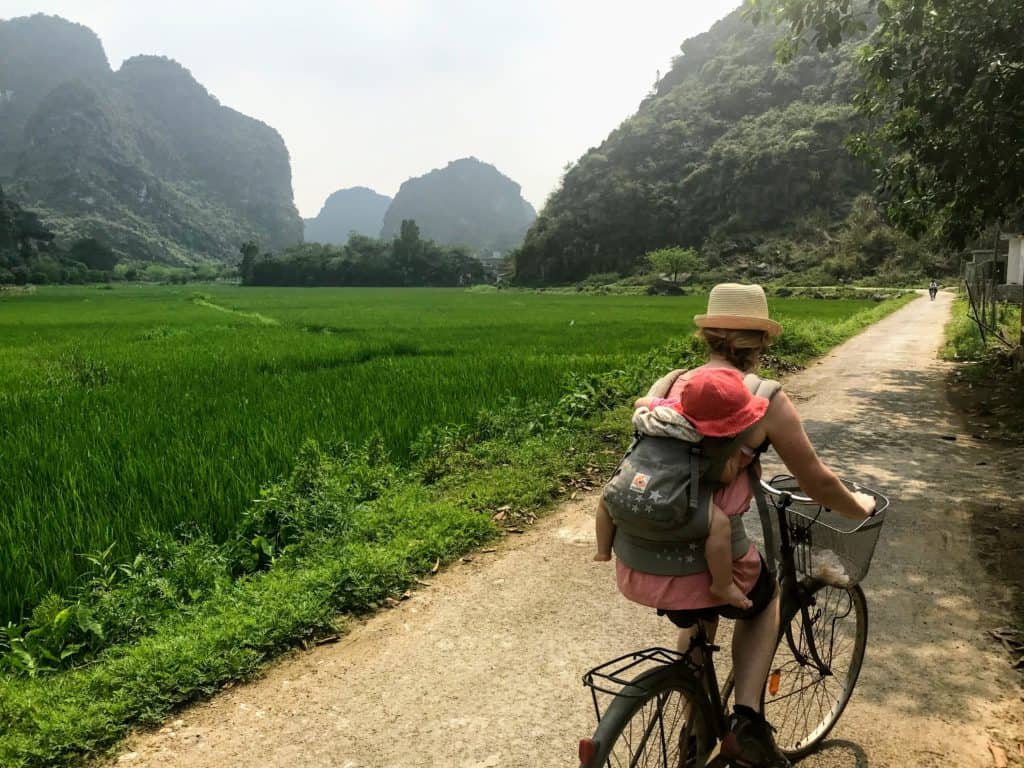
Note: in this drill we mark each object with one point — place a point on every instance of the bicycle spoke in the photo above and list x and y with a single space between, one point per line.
814 686
657 734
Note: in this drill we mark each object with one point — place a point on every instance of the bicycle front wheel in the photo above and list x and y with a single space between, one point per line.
660 719
816 665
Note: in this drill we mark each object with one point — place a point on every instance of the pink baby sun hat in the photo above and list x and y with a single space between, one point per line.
718 403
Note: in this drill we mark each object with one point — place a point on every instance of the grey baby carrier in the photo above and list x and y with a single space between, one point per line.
660 495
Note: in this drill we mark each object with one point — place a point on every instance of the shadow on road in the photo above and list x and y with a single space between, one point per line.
929 601
843 754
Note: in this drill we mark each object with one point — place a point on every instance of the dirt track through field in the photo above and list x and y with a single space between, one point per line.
482 668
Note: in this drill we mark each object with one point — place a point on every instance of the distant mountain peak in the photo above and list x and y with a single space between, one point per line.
354 209
468 202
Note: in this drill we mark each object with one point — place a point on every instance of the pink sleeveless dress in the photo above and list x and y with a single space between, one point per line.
677 593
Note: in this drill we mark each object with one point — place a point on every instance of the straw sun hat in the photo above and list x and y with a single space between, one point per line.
738 307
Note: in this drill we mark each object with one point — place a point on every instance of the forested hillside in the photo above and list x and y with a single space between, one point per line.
730 151
144 159
21 235
357 209
467 203
37 54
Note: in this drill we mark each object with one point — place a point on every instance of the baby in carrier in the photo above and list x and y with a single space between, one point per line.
714 404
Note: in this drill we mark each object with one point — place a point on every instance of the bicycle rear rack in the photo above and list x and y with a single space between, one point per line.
614 677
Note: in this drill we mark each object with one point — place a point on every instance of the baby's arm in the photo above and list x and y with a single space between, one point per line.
654 402
605 529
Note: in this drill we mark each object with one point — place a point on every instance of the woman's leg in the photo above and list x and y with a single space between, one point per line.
687 634
753 647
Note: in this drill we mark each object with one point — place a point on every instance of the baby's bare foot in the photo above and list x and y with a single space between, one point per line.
732 595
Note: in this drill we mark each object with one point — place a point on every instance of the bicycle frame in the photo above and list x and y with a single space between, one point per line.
695 666
794 598
794 595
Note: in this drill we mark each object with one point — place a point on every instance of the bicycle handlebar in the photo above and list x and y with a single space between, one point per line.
881 500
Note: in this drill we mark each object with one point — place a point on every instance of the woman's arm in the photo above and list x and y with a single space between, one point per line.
661 387
787 435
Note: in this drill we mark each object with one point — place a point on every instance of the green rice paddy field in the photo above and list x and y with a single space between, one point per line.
146 407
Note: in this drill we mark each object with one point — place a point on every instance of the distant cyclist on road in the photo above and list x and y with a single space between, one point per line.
933 288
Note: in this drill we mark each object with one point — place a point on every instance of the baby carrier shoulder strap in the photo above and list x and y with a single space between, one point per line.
767 389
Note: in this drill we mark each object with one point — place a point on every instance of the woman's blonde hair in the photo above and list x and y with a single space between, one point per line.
741 348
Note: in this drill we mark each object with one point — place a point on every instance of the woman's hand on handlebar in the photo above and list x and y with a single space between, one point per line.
866 502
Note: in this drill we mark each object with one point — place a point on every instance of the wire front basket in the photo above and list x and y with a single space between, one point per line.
828 547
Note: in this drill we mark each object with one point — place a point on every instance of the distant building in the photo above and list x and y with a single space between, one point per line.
496 263
491 259
1015 259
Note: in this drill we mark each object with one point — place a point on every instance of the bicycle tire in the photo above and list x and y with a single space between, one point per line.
806 703
633 730
794 742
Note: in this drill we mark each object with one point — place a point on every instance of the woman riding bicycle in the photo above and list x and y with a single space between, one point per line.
737 329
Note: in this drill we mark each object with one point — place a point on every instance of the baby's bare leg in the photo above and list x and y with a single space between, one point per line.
718 552
605 532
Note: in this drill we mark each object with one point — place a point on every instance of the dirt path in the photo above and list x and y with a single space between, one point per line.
483 667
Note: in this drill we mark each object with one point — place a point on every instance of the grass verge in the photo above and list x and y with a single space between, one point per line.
988 383
347 531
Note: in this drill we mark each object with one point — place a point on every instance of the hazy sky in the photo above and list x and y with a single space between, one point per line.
370 93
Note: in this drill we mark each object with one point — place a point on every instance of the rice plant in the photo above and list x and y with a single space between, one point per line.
149 408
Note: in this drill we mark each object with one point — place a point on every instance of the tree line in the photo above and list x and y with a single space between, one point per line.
30 253
405 260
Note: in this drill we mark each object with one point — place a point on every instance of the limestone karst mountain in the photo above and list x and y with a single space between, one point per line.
730 148
468 203
357 209
143 158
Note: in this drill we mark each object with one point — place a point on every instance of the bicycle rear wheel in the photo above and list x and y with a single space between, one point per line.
660 719
811 682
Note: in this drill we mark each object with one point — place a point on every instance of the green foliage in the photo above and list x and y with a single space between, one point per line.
963 338
944 96
56 636
732 145
406 260
181 407
94 254
964 341
674 260
30 253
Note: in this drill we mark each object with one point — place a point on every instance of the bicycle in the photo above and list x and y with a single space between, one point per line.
667 709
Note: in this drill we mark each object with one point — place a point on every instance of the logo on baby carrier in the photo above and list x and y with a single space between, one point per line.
640 481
